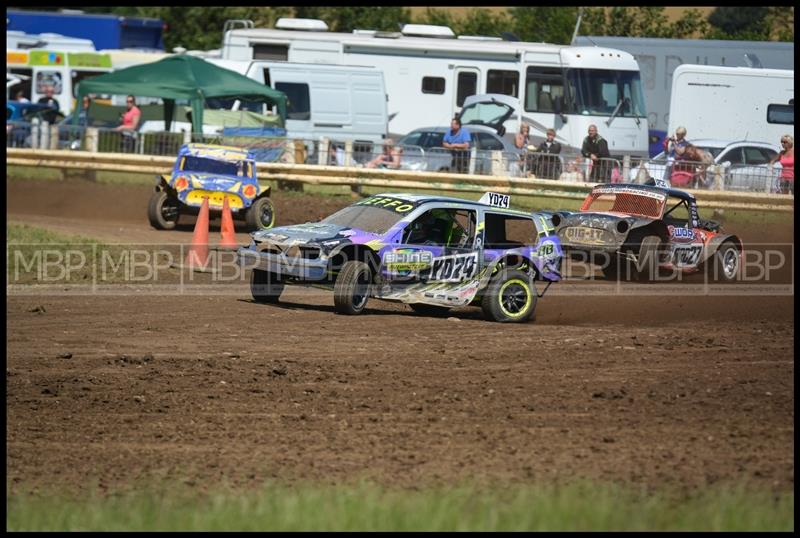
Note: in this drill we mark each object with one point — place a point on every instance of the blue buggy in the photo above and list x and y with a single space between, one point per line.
213 172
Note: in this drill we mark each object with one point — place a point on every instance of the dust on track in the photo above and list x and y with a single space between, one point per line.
680 391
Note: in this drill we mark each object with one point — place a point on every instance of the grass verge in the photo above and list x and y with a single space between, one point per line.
39 256
364 507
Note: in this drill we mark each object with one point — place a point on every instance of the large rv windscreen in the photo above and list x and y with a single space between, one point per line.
598 92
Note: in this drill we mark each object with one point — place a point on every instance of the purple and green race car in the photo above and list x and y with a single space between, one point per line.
431 252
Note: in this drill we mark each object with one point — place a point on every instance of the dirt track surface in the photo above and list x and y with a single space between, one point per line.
678 391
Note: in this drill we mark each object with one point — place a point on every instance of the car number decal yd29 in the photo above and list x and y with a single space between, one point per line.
454 268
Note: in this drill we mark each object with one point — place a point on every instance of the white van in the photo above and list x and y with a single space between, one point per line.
732 103
331 101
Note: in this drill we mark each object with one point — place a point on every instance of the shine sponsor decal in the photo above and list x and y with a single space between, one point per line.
404 259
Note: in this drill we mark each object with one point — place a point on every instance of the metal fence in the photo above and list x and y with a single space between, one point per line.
566 168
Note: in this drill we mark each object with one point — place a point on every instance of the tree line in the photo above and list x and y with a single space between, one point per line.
201 27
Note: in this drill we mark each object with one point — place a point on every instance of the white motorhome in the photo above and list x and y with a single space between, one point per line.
429 72
659 57
331 101
732 103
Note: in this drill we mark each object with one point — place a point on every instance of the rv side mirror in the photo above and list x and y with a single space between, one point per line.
558 105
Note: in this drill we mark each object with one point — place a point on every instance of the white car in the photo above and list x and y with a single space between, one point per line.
745 165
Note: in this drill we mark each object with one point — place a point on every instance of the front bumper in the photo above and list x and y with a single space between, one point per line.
300 268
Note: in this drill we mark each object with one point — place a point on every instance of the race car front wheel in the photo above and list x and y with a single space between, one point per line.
265 286
260 215
163 211
510 297
727 260
352 287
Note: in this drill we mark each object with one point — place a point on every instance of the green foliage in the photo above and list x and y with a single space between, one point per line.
365 507
547 24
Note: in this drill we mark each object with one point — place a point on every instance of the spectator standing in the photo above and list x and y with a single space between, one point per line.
522 141
675 148
457 140
49 98
130 118
786 158
20 97
129 124
595 148
548 164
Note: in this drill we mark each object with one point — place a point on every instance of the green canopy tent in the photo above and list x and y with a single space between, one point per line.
182 77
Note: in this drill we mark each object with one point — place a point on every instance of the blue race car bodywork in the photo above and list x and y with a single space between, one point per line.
216 173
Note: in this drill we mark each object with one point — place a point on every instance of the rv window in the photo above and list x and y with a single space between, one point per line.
48 78
783 114
271 52
298 106
504 82
432 85
467 85
543 86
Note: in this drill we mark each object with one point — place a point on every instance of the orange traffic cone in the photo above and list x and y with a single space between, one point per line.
197 257
227 230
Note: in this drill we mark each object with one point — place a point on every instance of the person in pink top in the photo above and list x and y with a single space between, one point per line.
786 158
130 118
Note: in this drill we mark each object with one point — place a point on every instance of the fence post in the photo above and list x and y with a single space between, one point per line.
719 182
626 168
473 153
348 153
92 139
299 151
497 163
322 153
53 134
187 137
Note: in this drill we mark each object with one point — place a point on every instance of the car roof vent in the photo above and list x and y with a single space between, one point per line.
428 30
308 25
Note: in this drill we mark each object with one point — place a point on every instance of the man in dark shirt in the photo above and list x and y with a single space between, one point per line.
49 99
548 165
596 148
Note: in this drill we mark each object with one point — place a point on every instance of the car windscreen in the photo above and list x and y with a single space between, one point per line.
211 166
372 219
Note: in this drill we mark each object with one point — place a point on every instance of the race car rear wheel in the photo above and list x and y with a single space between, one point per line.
727 260
429 309
163 211
647 258
265 286
352 287
260 215
510 297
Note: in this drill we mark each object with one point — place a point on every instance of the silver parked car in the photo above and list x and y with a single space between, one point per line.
422 149
745 164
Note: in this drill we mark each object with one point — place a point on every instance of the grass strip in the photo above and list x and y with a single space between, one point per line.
581 506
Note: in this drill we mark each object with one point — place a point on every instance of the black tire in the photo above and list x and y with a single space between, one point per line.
260 215
647 258
429 309
265 286
510 297
727 262
163 211
352 287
